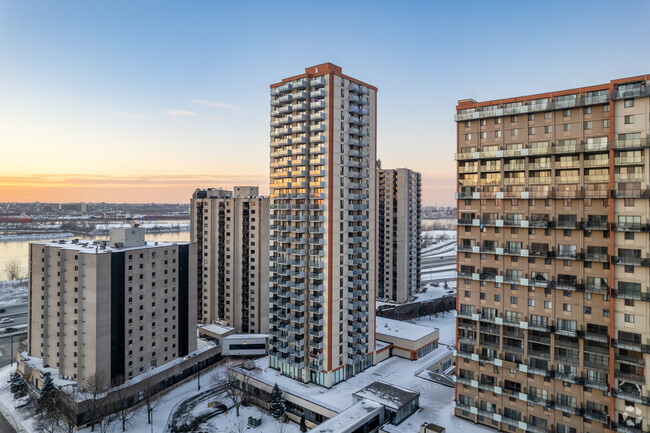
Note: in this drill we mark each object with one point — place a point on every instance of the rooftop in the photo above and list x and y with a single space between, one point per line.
399 329
86 246
391 396
355 414
217 329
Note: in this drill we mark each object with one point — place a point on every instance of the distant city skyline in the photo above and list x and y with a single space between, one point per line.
145 102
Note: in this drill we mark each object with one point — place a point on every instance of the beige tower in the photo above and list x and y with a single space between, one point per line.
232 233
115 308
399 228
553 267
323 225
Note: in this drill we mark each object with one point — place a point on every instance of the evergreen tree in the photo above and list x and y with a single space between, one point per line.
276 403
18 386
46 403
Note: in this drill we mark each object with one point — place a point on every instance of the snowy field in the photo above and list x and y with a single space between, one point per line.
446 322
22 419
13 292
35 236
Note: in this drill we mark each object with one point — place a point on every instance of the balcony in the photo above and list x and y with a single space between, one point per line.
317 105
634 143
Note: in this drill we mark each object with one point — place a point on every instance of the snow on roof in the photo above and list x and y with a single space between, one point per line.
95 247
435 399
217 329
399 329
37 364
391 396
380 345
356 415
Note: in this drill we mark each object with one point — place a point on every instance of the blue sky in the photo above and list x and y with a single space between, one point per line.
148 100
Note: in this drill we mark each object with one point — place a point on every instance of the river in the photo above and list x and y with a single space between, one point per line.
20 249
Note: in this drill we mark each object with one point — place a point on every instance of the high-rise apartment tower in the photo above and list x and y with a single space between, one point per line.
114 308
400 213
553 265
323 225
232 233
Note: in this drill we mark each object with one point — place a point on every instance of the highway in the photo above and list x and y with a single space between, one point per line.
18 316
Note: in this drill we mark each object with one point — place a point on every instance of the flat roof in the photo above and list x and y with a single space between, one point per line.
356 415
399 329
386 394
87 246
217 329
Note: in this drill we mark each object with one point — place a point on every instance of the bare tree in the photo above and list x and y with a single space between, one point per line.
13 269
234 382
125 411
240 425
95 386
150 397
104 425
280 427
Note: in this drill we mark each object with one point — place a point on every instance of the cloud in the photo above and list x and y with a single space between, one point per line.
216 104
131 115
180 113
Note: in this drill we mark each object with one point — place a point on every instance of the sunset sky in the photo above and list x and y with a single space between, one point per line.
123 101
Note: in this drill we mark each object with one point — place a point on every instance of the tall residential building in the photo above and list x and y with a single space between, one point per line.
323 225
553 266
400 213
232 234
115 308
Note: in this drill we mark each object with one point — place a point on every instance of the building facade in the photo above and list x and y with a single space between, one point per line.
231 230
399 227
112 309
323 225
553 317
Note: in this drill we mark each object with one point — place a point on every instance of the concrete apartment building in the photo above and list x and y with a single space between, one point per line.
231 229
323 225
553 267
399 227
114 308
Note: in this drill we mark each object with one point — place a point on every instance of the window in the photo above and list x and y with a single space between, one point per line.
497 134
497 298
531 116
586 126
606 123
531 131
547 129
629 318
547 304
547 115
587 110
566 307
513 300
606 108
628 103
513 119
605 312
483 135
629 119
468 137
587 310
514 132
566 113
566 127
483 122
531 302
497 121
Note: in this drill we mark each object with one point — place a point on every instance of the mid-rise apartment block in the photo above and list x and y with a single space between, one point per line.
399 227
553 267
114 309
323 225
231 229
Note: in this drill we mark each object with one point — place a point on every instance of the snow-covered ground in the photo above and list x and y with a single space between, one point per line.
158 227
22 418
445 322
13 292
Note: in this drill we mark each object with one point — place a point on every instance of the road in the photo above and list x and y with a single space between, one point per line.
5 426
18 314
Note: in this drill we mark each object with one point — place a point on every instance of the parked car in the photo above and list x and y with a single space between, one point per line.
6 320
